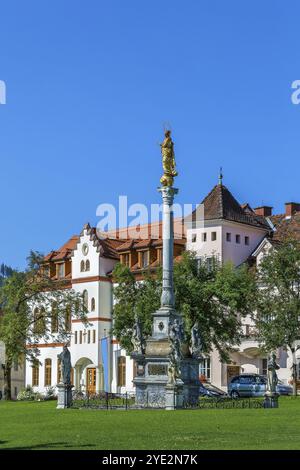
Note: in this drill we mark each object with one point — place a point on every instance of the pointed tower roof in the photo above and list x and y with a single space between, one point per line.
221 204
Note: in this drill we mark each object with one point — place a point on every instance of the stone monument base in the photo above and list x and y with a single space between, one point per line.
64 396
271 400
152 383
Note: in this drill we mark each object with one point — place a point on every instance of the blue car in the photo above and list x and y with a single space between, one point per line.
254 385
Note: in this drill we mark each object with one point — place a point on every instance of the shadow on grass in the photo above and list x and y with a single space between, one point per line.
48 445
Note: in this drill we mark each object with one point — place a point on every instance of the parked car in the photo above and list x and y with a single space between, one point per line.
209 390
253 385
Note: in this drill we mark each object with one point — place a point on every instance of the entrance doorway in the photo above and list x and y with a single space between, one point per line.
231 372
91 380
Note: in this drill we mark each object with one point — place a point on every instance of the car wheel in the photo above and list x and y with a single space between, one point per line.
234 394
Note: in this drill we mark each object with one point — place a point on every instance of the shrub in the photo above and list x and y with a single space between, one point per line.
26 394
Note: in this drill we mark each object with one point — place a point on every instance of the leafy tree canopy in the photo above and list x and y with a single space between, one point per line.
217 297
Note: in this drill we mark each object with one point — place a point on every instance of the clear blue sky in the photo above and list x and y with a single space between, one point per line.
90 85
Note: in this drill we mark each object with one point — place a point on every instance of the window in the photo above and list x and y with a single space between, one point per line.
39 325
75 337
58 371
228 237
126 259
85 296
82 266
16 391
87 265
213 236
60 270
48 368
80 337
205 369
246 240
16 366
204 237
54 318
93 304
246 379
35 374
194 238
68 319
144 258
121 371
264 366
159 256
89 336
94 336
238 239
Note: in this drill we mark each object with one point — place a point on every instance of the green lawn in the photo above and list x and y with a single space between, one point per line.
40 426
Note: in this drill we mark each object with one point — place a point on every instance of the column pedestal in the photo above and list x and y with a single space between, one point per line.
271 400
64 397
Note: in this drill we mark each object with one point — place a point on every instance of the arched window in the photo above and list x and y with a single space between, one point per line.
48 370
82 266
121 371
35 373
87 265
93 304
54 318
85 296
39 319
59 378
68 319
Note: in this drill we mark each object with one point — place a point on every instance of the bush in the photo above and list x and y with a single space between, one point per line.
50 394
26 394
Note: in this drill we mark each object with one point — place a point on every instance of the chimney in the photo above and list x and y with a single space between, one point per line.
291 208
265 211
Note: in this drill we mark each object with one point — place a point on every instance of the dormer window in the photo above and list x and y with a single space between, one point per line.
126 259
60 270
144 259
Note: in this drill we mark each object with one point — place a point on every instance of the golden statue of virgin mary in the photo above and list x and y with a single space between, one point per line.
168 160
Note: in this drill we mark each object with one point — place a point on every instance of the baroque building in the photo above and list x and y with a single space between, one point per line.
220 228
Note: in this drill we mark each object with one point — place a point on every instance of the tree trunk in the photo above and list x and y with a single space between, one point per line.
7 381
294 372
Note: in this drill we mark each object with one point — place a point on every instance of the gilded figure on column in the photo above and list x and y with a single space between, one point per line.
168 160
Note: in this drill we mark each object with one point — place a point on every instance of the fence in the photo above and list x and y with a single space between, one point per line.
226 403
103 400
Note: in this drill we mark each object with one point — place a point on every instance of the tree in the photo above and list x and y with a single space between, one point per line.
34 307
5 271
215 296
278 301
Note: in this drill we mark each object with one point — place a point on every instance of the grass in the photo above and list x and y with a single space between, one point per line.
38 425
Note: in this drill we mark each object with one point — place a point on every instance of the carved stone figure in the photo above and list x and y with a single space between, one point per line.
138 340
176 336
272 366
168 160
196 343
65 358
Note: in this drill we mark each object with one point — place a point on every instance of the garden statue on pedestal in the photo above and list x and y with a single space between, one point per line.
64 398
271 395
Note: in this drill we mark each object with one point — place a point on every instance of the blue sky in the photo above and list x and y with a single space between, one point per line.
91 84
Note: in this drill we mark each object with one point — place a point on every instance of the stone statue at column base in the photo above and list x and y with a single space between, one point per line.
271 395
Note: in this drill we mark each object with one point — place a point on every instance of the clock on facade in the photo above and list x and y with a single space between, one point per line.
85 248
